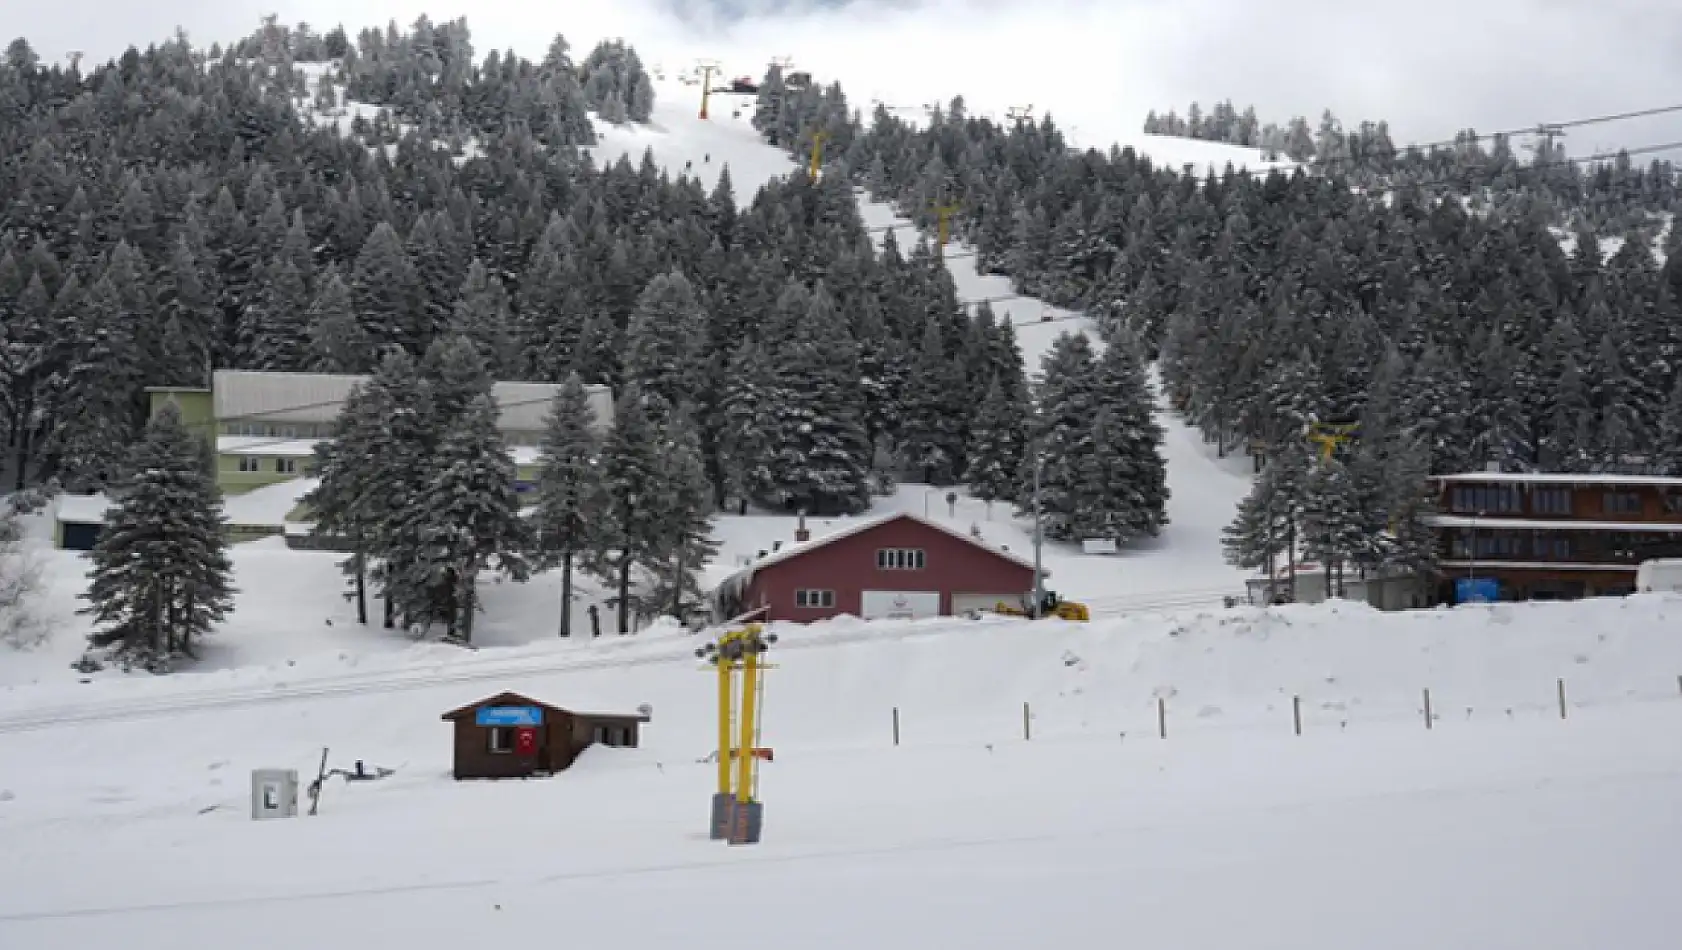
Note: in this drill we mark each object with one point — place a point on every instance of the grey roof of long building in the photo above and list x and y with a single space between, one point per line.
315 398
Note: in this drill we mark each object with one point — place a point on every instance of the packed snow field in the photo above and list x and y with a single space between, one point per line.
130 818
1032 800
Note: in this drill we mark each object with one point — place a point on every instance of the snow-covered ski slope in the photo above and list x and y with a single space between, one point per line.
124 806
1184 567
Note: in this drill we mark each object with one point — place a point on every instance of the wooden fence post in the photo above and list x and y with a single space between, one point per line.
1427 707
896 725
1027 730
1562 697
1162 717
1296 713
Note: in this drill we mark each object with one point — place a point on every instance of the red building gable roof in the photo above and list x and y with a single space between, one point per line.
802 548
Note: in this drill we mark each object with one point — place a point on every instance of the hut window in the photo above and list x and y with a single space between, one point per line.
500 739
613 736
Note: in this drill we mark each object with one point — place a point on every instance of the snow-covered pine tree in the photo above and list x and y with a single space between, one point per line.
386 293
458 375
1121 387
465 518
1667 451
161 578
568 487
481 314
666 340
932 437
22 622
339 502
616 84
93 399
742 452
1409 502
369 472
274 331
769 104
628 529
397 442
1106 491
1568 445
1268 518
998 445
338 343
817 459
1334 530
685 513
1060 435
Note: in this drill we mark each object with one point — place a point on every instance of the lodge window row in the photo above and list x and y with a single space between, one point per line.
1612 547
1516 546
1508 500
900 559
271 430
250 463
291 430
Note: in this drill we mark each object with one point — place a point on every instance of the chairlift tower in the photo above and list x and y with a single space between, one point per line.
1545 134
943 230
737 815
707 68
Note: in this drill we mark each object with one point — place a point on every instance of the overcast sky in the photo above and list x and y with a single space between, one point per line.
1429 66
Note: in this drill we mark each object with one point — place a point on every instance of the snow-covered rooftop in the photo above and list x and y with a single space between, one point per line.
81 509
1563 478
268 447
266 506
1557 524
859 526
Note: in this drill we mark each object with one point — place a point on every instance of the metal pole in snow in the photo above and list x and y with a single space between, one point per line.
1039 540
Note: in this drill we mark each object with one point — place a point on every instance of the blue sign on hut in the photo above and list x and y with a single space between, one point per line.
513 736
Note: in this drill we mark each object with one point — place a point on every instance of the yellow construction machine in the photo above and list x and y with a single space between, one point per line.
1050 606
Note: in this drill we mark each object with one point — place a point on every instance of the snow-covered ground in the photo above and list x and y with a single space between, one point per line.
125 814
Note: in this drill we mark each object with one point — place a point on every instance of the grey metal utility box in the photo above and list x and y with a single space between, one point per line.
274 794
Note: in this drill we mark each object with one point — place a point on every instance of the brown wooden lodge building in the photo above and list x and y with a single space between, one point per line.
1552 536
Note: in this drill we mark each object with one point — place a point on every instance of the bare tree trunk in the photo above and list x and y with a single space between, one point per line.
566 594
624 594
24 445
466 596
361 584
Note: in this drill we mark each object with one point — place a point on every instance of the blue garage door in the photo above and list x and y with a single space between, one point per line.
80 536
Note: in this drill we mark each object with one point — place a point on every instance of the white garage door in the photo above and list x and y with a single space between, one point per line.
901 604
965 603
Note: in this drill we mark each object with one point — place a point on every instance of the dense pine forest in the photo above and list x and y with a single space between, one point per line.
1426 296
181 210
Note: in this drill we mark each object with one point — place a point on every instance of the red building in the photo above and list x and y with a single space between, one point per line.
898 565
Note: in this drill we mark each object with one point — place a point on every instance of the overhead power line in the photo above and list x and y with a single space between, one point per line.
1507 133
